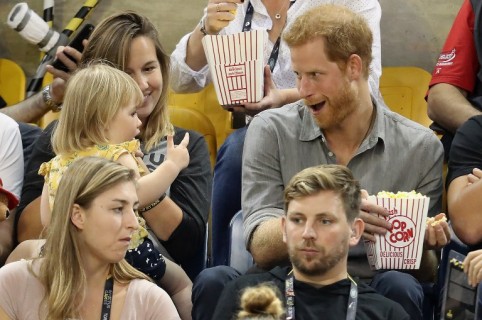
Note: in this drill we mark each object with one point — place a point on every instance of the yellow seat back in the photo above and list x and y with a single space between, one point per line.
403 89
192 119
12 82
207 103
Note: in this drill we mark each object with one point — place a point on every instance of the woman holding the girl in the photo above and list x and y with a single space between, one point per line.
130 42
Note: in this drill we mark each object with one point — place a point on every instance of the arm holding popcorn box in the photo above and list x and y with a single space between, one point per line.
273 97
405 240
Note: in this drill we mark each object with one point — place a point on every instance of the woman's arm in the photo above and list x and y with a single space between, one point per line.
178 285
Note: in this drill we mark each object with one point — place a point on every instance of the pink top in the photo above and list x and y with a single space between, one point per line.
21 293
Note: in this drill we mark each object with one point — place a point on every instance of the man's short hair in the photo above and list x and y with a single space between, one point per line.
344 32
336 178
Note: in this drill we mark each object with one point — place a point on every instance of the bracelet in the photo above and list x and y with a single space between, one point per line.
202 23
152 205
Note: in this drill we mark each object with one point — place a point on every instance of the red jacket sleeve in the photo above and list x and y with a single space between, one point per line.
457 63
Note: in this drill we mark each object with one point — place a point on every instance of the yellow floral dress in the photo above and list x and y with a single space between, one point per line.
55 168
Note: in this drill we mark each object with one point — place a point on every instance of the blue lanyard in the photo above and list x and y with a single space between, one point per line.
290 298
273 57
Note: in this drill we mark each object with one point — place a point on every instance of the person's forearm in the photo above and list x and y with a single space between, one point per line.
448 106
267 246
464 207
154 184
28 111
164 218
195 57
179 287
182 301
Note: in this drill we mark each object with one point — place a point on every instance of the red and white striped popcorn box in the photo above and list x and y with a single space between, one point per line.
402 246
236 63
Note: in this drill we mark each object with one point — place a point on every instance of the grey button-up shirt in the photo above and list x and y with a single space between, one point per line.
397 155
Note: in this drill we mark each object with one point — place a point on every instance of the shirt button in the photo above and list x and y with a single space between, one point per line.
330 154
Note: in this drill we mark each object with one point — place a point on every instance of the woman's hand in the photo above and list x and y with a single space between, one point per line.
219 14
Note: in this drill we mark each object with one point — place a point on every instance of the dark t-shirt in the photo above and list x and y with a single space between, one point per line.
466 151
310 302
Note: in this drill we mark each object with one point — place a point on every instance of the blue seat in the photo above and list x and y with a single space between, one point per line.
457 245
239 258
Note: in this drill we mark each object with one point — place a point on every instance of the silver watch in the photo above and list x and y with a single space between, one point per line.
55 107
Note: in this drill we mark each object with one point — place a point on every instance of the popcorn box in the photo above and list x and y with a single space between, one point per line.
402 246
236 63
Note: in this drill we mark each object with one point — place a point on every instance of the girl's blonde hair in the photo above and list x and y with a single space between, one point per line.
111 40
61 271
94 95
261 302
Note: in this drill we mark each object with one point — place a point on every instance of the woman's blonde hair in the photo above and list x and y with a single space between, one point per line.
94 95
61 271
261 302
111 40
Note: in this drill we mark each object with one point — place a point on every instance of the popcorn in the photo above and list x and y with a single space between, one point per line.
400 194
401 247
433 221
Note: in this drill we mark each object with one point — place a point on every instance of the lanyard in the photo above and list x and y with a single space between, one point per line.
273 57
107 299
290 298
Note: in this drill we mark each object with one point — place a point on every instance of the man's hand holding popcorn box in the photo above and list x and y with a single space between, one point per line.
397 231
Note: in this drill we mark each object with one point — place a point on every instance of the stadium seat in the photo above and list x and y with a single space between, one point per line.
239 258
403 89
192 119
207 103
12 82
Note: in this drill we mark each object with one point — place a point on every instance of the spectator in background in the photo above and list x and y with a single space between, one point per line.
320 224
179 220
190 73
11 174
455 92
31 110
338 122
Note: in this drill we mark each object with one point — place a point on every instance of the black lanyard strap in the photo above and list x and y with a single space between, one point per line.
107 299
290 298
273 57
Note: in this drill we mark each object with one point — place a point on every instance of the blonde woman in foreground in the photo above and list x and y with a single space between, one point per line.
82 273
